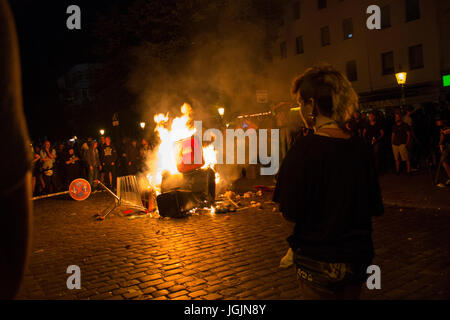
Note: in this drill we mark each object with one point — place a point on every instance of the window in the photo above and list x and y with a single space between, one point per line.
283 50
325 36
299 45
347 26
415 57
350 69
296 10
385 17
387 60
412 10
322 4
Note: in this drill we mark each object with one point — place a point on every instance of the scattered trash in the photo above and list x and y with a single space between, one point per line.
229 194
126 212
259 193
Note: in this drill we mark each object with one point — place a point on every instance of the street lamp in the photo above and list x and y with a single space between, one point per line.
102 132
142 124
221 111
401 80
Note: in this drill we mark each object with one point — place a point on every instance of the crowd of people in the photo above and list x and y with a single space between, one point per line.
417 138
56 165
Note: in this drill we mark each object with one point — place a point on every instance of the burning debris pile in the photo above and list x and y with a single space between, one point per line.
182 180
182 176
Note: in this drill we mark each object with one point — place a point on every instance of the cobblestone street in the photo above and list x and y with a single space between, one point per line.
221 256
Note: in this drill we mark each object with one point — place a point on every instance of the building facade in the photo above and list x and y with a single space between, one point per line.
414 38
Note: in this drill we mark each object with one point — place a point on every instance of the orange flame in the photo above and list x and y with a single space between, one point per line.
169 133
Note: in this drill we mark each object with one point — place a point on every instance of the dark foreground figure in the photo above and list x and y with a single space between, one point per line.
15 176
328 186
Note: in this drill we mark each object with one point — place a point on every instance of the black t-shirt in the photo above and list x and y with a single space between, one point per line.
16 156
329 187
109 154
400 133
373 131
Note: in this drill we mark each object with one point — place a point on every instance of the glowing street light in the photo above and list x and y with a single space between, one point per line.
102 132
221 111
401 80
142 124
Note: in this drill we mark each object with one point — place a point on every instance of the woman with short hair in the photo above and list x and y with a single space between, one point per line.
328 186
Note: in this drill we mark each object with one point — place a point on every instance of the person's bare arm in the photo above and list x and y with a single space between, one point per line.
441 141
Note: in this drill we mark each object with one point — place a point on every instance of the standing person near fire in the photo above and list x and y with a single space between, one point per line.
328 186
401 136
72 166
444 147
35 169
101 146
144 150
132 157
108 159
374 133
92 160
48 158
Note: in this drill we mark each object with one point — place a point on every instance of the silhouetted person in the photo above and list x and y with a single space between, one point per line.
72 167
48 159
108 159
401 136
15 176
132 158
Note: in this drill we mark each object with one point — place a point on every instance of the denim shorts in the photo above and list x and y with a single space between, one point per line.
328 276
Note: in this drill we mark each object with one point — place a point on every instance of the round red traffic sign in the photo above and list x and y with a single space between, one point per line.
79 189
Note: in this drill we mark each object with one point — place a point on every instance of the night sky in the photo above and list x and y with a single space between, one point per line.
48 50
